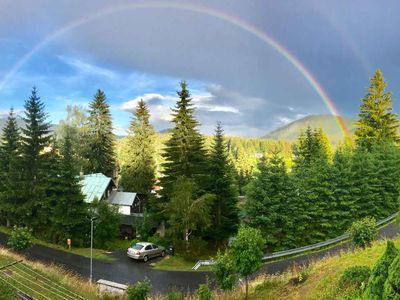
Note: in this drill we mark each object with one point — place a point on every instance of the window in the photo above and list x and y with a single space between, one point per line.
148 247
137 247
155 246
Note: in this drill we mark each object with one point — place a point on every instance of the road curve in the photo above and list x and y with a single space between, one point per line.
125 270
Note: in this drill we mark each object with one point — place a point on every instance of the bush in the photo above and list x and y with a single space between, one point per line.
204 293
140 290
354 277
156 239
225 271
20 239
379 273
363 232
392 284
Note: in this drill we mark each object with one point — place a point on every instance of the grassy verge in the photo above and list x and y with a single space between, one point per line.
42 281
177 263
97 253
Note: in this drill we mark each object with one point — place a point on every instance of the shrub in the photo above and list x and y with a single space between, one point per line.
354 277
225 272
392 283
379 273
363 232
140 290
204 293
20 239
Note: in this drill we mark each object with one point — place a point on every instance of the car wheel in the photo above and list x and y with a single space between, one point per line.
163 254
145 258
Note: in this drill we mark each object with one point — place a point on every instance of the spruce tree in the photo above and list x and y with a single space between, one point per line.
224 212
377 122
184 152
341 178
69 212
391 288
138 173
270 205
379 273
100 151
35 162
10 175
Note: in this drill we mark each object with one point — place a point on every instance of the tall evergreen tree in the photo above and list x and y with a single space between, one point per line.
184 152
311 176
10 175
100 154
224 212
377 122
68 211
270 205
138 173
35 143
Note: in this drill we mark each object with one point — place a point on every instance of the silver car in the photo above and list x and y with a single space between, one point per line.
144 251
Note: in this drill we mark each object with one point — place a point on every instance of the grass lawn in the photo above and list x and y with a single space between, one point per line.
97 253
177 263
41 281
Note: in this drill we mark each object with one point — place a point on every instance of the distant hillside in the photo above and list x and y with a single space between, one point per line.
328 123
21 123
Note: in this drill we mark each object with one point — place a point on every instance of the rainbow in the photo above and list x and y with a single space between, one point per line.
193 8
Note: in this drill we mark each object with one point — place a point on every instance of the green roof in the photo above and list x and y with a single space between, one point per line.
94 186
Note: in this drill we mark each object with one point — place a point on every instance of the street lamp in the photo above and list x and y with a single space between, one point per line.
91 247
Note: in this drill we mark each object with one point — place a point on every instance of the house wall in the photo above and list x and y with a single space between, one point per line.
124 210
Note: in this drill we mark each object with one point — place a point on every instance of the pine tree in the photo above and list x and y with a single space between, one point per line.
184 152
138 173
100 151
391 289
270 206
379 273
377 122
224 212
35 162
10 174
311 178
341 178
69 212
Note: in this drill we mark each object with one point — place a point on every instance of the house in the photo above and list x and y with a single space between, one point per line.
96 186
128 203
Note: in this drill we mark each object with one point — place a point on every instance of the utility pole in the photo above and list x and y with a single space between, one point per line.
91 248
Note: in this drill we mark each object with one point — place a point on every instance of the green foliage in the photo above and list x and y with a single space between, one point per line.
354 277
269 205
204 292
363 232
20 238
10 175
138 172
225 271
391 290
377 122
35 163
106 224
247 252
7 292
224 211
139 291
100 138
186 212
184 152
379 273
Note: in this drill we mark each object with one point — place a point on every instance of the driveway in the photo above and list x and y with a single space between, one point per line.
126 270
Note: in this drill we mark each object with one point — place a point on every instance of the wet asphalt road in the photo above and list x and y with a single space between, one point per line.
126 270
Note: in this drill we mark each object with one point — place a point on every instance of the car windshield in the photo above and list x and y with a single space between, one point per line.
137 247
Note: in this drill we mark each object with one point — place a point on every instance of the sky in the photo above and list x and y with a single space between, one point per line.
252 65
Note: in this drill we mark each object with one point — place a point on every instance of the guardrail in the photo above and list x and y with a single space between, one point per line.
289 252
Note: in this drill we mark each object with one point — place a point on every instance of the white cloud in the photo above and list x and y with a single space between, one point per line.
87 68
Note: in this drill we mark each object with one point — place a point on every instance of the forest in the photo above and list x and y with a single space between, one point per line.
296 194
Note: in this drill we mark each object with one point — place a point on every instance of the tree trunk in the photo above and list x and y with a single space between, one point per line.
247 287
8 223
187 239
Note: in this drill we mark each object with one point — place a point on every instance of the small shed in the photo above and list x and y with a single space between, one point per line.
128 203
